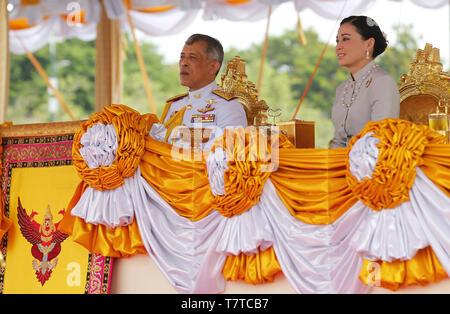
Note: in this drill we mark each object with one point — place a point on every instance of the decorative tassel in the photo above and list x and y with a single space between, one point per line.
300 33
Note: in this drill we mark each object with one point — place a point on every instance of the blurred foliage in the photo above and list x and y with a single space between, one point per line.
287 69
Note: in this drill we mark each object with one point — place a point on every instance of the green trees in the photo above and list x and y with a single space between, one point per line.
287 69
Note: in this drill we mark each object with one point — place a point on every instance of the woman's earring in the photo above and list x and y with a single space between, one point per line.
367 54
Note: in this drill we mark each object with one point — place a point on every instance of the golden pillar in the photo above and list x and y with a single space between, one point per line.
109 63
4 59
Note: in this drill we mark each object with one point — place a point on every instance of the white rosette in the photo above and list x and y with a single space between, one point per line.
99 145
112 208
243 233
217 164
396 233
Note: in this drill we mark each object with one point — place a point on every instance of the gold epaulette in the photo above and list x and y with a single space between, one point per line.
168 103
223 94
172 99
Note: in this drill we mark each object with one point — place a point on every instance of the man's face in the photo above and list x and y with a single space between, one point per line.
196 70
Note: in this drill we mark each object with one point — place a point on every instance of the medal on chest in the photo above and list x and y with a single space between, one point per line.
207 108
203 118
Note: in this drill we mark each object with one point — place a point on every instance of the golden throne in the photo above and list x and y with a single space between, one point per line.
425 87
234 83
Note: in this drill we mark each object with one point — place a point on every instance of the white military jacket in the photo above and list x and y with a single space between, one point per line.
375 97
205 108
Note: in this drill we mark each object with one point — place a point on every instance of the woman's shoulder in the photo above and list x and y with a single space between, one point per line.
384 79
383 74
383 85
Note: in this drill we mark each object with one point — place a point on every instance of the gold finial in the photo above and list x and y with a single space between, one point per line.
235 83
48 213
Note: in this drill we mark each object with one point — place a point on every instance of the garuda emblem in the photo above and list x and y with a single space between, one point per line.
46 240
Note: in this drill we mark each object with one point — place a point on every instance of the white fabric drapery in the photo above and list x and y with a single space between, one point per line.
314 258
34 38
166 22
99 145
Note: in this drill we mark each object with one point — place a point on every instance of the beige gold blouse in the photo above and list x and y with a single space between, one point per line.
369 95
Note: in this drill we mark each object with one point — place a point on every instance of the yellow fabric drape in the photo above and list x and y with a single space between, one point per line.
22 23
424 268
400 151
29 2
157 9
236 2
183 184
254 269
18 24
437 165
245 177
312 185
115 242
131 129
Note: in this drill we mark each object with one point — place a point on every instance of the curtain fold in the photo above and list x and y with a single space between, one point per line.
312 184
254 269
437 164
114 242
161 18
422 269
308 219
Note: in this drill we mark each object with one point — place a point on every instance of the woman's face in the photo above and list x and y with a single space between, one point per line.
351 48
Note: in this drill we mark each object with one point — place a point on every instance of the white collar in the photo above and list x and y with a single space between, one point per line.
364 71
205 90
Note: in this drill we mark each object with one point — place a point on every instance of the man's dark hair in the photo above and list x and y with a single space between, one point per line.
214 49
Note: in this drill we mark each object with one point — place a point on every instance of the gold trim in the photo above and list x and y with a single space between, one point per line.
234 83
4 60
177 97
224 95
425 77
40 129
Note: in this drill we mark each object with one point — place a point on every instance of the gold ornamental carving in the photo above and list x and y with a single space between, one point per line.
425 86
234 83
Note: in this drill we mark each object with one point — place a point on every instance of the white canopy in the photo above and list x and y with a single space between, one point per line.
36 21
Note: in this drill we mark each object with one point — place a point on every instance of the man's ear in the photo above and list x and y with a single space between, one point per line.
215 66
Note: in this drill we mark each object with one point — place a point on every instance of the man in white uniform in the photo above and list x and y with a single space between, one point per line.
203 106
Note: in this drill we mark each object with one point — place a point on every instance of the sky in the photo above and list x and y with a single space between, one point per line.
429 25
